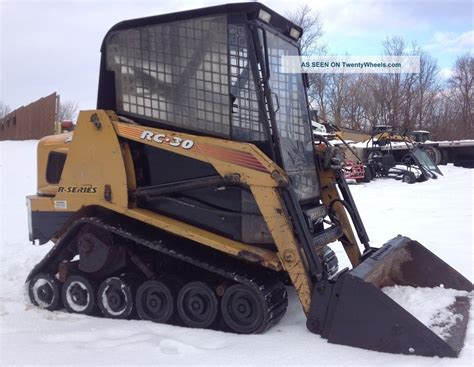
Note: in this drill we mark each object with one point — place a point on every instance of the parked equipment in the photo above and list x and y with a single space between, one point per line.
193 194
353 169
414 166
458 152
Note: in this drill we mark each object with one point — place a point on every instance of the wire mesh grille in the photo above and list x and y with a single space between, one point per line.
245 111
291 115
175 73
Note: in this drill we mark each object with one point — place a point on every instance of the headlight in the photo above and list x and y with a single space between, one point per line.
264 15
294 33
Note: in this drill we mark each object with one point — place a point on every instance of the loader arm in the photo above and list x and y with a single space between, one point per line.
331 197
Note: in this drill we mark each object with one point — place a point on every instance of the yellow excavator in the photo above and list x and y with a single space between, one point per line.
195 194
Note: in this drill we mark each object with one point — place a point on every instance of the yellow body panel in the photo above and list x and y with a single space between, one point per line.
94 160
387 135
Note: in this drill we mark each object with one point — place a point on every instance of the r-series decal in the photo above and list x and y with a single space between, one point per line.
84 189
174 141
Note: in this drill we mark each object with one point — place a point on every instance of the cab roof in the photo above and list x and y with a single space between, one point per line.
251 9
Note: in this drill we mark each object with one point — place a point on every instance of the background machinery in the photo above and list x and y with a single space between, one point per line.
195 193
458 152
383 158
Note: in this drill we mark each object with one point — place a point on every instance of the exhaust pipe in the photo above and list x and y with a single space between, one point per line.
352 309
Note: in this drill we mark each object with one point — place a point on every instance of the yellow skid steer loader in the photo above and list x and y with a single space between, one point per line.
195 194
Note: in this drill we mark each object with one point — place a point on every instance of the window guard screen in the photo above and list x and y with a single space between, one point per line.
176 73
246 124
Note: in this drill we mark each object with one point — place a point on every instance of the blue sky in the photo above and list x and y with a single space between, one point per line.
442 28
48 46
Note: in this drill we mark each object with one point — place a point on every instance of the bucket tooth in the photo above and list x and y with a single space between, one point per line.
353 310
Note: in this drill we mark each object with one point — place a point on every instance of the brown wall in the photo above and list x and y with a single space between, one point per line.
30 122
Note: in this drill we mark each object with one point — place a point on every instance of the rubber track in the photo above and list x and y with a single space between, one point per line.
261 280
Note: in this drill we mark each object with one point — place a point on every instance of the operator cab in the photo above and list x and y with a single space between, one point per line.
420 136
217 72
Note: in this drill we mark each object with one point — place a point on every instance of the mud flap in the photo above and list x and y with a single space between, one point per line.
353 310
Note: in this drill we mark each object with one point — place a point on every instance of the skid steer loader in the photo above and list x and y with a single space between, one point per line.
195 194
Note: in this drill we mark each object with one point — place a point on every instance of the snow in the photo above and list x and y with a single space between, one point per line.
404 167
337 142
431 306
437 213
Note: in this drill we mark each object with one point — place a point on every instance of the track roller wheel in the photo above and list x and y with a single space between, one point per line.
244 310
44 291
154 301
197 305
115 298
78 295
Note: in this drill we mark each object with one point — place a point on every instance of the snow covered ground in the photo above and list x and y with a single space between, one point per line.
439 214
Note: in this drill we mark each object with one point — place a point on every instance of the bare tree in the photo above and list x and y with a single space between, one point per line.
462 88
407 101
353 108
311 44
372 100
67 110
318 94
338 91
393 46
4 109
426 89
310 22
